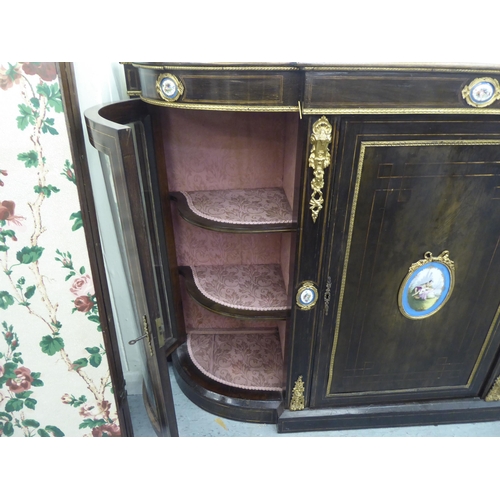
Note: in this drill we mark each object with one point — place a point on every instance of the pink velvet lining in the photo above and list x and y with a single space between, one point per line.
198 319
241 206
200 247
251 361
249 287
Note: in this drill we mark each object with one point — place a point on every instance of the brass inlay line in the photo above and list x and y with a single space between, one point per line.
430 69
273 79
364 145
400 111
483 348
398 82
383 77
220 107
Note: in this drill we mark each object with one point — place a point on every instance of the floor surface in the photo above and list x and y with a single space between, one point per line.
195 422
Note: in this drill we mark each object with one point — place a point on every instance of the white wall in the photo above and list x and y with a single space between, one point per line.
100 83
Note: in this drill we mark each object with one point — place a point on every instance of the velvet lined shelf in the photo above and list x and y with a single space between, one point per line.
254 291
256 361
238 210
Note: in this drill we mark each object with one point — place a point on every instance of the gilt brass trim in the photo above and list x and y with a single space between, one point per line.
467 92
220 107
364 145
218 68
319 160
297 402
431 68
494 392
419 314
134 92
399 111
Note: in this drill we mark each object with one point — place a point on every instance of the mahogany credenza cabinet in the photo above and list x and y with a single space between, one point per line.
312 246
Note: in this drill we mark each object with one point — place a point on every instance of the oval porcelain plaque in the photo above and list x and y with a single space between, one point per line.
427 286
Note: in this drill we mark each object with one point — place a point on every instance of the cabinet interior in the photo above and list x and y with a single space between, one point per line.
218 156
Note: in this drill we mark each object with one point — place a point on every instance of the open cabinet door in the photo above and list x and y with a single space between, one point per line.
120 133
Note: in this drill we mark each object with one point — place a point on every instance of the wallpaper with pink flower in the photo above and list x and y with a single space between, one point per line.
54 376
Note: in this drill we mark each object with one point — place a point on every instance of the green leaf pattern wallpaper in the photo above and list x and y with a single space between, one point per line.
54 376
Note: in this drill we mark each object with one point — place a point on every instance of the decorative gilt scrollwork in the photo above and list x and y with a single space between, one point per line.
319 160
444 257
494 393
297 402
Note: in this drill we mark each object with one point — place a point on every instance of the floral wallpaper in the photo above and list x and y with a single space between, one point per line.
54 376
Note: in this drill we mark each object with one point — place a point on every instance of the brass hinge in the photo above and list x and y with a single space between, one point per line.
161 332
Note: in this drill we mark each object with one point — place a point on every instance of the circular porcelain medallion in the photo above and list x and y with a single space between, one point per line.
481 92
169 87
307 295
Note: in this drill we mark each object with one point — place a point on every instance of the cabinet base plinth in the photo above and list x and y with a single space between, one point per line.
229 402
376 416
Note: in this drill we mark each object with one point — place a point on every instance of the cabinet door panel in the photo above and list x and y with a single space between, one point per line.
131 185
411 187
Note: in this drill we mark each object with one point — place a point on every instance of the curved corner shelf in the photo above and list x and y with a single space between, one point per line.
261 210
221 399
245 297
258 359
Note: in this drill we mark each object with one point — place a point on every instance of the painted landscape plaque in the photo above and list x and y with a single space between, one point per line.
427 286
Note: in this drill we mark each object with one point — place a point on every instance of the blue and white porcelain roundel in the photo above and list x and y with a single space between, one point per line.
307 296
169 88
482 92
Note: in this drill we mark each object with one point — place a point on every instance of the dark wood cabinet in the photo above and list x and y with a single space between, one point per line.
313 246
